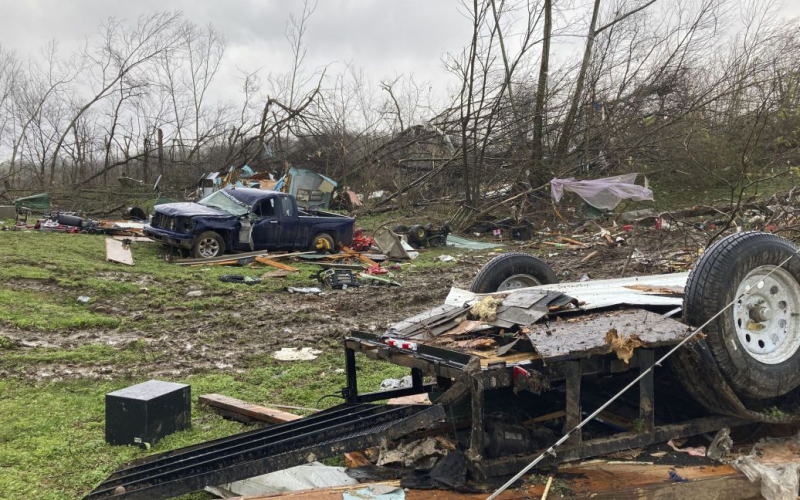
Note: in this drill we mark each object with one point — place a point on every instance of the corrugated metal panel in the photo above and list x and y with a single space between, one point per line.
602 293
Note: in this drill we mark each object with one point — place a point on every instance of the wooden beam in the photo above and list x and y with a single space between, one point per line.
270 262
233 408
360 257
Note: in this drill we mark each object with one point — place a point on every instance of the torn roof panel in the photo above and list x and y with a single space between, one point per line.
587 334
602 293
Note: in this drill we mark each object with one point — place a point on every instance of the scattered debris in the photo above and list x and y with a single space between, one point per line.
604 193
446 258
84 299
298 478
421 454
394 383
673 476
376 492
296 354
624 347
775 462
459 242
119 251
195 293
240 279
721 445
699 451
486 309
311 290
337 278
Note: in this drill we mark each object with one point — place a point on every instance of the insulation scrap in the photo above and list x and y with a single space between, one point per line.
486 309
476 344
465 326
622 346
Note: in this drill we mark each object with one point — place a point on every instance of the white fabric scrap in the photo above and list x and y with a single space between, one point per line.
604 194
296 354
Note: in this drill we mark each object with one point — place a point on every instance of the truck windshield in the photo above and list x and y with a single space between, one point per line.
222 201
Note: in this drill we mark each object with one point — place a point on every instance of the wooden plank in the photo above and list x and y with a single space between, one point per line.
270 262
238 256
234 406
589 256
231 262
570 240
361 257
116 251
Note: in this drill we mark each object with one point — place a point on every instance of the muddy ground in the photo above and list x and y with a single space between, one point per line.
174 340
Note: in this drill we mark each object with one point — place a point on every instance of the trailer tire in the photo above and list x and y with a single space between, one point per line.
756 342
400 229
510 271
323 243
208 244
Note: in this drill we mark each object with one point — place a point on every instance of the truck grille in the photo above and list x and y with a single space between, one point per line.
164 222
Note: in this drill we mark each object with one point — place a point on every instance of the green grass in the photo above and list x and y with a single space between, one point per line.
39 310
48 272
52 434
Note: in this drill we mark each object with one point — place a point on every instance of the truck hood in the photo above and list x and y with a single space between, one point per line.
190 210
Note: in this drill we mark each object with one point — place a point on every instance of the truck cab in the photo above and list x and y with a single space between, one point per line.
244 219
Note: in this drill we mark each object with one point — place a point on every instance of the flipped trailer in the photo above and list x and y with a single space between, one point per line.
559 351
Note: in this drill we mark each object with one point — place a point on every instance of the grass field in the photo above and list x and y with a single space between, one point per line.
52 418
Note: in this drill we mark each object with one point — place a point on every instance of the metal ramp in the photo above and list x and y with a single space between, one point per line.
341 429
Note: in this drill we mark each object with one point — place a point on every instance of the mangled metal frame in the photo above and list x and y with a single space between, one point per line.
461 375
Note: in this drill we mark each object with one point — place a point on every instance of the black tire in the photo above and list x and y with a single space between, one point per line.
418 235
323 243
503 267
400 229
713 284
208 244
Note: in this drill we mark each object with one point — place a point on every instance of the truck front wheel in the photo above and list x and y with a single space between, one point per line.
323 243
208 244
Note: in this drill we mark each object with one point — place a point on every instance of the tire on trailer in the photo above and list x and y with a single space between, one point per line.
400 229
323 243
208 244
756 342
511 271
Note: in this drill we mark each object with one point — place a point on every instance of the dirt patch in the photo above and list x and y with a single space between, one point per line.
252 322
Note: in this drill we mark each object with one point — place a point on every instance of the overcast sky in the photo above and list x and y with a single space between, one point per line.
384 37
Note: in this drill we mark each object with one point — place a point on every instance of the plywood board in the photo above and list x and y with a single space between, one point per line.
586 335
117 251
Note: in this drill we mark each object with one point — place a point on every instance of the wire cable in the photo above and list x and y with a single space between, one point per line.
552 449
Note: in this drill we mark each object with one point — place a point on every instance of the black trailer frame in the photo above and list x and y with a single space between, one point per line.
453 368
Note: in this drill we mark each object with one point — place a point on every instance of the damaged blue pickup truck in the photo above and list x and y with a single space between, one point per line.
244 219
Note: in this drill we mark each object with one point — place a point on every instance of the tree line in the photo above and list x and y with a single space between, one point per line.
695 92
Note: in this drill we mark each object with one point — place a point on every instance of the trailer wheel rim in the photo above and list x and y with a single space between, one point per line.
518 281
766 317
208 247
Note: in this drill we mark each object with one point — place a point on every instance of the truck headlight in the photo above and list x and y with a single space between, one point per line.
187 225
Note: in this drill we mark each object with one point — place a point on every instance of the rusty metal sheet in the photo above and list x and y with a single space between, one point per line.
586 334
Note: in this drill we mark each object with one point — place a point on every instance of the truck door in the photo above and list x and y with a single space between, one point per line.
267 228
289 222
